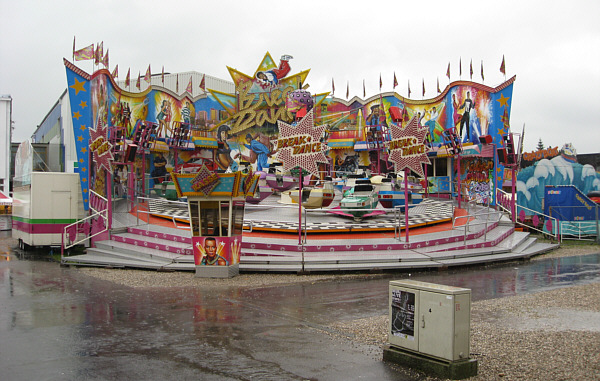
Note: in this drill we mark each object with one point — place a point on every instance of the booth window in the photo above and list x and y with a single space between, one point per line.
195 218
238 217
224 218
209 218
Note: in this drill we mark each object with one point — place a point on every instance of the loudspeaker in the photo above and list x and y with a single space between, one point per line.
485 139
502 155
396 114
130 153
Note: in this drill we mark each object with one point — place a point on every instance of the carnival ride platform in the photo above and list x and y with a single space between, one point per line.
273 243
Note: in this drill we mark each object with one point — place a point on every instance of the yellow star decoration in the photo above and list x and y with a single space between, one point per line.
84 180
76 115
81 160
83 150
503 100
83 127
83 104
83 169
77 86
85 190
80 138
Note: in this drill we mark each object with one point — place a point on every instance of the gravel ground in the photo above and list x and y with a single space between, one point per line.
551 335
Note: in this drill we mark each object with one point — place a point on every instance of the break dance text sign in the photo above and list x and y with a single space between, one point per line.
407 147
300 145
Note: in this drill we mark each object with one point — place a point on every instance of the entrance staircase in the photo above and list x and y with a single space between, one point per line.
169 249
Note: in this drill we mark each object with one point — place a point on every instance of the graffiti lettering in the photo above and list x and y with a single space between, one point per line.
252 113
541 154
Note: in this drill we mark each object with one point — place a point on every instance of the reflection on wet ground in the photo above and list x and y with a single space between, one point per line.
57 323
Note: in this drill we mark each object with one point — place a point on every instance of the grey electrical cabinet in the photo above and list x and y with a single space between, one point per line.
431 319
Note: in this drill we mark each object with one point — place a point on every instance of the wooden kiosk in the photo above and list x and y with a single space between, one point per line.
216 205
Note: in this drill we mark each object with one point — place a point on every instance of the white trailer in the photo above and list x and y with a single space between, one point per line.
43 205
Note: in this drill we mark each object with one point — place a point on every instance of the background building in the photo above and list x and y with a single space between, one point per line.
5 137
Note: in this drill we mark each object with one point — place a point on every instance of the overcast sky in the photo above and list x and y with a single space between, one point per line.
552 47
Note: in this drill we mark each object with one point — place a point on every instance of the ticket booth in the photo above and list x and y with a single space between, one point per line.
216 207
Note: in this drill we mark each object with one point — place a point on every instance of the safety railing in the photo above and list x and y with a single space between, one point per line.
529 218
576 222
85 229
163 208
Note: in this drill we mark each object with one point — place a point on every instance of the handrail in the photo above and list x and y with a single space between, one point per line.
504 201
99 207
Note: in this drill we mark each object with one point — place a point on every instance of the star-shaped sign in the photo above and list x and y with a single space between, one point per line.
205 181
101 148
407 147
300 145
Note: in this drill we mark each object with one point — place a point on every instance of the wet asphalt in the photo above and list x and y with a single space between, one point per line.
59 324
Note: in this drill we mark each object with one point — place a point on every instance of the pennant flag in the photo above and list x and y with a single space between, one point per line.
482 77
189 86
448 71
148 75
409 88
138 84
405 116
423 86
332 87
460 67
203 82
162 75
471 69
105 59
503 66
115 73
438 85
347 89
395 80
73 48
380 83
127 78
86 53
99 53
364 90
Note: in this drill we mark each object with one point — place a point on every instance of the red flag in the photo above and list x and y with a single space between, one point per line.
332 87
423 86
127 78
115 73
448 71
347 90
86 53
189 86
148 75
438 85
471 69
380 83
395 80
409 88
138 84
503 66
203 82
482 77
99 53
162 75
105 59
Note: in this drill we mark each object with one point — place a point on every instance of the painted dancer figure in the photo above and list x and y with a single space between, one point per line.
271 77
467 105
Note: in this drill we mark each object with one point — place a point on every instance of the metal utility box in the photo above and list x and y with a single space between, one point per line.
429 318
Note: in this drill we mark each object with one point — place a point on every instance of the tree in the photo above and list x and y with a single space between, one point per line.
540 145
